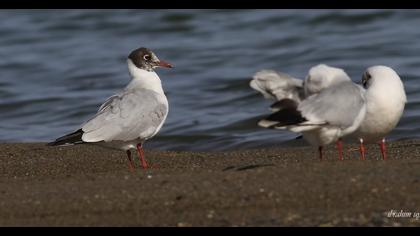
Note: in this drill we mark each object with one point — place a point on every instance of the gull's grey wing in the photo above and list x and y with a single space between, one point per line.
339 105
107 102
277 85
126 116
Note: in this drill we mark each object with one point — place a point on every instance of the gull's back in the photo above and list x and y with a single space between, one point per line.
129 115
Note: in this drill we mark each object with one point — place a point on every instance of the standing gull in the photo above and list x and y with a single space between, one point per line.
129 118
295 97
386 98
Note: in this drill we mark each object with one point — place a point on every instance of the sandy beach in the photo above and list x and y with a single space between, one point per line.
92 186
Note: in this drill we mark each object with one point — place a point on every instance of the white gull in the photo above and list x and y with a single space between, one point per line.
129 118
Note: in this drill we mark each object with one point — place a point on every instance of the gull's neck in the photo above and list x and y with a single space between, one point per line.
144 79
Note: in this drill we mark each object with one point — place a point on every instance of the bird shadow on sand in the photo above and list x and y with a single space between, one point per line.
246 167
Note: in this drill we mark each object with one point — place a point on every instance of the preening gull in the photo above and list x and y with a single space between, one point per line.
325 107
385 102
373 110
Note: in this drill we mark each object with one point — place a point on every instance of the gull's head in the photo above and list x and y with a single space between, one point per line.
145 59
322 76
380 74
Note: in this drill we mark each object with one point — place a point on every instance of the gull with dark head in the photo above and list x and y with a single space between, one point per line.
129 118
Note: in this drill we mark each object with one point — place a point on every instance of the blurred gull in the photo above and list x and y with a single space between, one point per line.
129 118
325 107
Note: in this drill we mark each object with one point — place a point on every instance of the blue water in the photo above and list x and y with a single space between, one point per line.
58 66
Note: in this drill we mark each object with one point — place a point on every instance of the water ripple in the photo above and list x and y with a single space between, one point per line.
58 66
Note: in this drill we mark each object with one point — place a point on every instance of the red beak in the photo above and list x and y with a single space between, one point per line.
164 64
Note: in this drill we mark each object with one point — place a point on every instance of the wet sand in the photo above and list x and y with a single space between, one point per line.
92 186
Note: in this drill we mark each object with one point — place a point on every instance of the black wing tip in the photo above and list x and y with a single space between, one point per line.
72 138
285 103
285 117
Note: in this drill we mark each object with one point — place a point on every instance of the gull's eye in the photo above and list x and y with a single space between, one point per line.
147 57
366 77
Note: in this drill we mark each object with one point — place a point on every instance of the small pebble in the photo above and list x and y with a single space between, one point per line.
210 214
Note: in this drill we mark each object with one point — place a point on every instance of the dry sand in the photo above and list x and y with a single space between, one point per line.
92 186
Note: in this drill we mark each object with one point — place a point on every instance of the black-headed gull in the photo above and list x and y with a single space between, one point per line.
129 118
385 102
308 106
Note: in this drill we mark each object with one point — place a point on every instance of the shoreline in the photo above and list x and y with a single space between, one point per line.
87 185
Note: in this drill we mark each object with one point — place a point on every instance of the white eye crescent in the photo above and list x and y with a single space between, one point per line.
147 57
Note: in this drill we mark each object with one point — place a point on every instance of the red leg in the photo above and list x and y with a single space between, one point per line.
320 152
141 156
340 149
383 149
362 150
130 161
